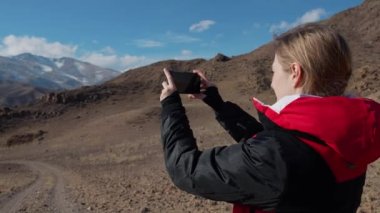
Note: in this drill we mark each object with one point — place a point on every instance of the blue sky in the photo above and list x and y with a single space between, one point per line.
124 34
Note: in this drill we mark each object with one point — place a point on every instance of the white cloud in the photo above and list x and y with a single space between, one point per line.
201 26
131 61
312 15
179 38
114 61
282 26
186 53
309 16
14 45
101 59
108 50
148 43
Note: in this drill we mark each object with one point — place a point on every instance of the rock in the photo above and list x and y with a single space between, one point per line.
145 210
85 95
220 58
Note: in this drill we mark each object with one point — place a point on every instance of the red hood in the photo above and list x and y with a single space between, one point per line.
349 126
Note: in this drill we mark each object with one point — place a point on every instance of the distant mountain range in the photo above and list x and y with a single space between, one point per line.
25 77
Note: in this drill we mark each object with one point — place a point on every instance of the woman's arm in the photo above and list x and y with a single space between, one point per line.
251 173
239 124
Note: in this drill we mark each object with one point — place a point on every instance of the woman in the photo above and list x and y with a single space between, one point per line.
310 151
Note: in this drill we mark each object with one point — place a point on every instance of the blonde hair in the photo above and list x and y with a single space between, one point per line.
324 57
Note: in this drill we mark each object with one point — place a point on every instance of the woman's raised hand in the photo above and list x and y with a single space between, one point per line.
168 85
205 83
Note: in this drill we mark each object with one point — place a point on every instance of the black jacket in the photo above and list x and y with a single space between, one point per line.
273 170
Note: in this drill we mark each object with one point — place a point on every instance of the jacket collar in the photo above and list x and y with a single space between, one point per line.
350 127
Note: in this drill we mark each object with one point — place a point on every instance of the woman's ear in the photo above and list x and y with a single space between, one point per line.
296 74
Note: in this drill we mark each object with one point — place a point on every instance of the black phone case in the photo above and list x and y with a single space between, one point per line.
186 82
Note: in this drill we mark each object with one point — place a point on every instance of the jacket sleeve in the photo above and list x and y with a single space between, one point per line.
251 173
238 123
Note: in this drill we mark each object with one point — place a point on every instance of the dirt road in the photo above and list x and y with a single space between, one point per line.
46 193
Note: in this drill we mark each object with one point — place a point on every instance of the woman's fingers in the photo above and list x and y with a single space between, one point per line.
204 84
165 84
169 77
201 74
168 85
204 80
196 96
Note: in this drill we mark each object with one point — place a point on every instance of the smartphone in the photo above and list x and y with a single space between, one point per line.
186 82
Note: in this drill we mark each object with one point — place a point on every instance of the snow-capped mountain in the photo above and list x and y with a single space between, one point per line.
50 74
66 73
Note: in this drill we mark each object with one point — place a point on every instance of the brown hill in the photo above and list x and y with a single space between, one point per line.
97 148
14 93
361 27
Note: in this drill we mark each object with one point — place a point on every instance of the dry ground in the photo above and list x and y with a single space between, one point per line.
108 158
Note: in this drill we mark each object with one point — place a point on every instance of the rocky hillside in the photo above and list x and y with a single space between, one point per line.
361 27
